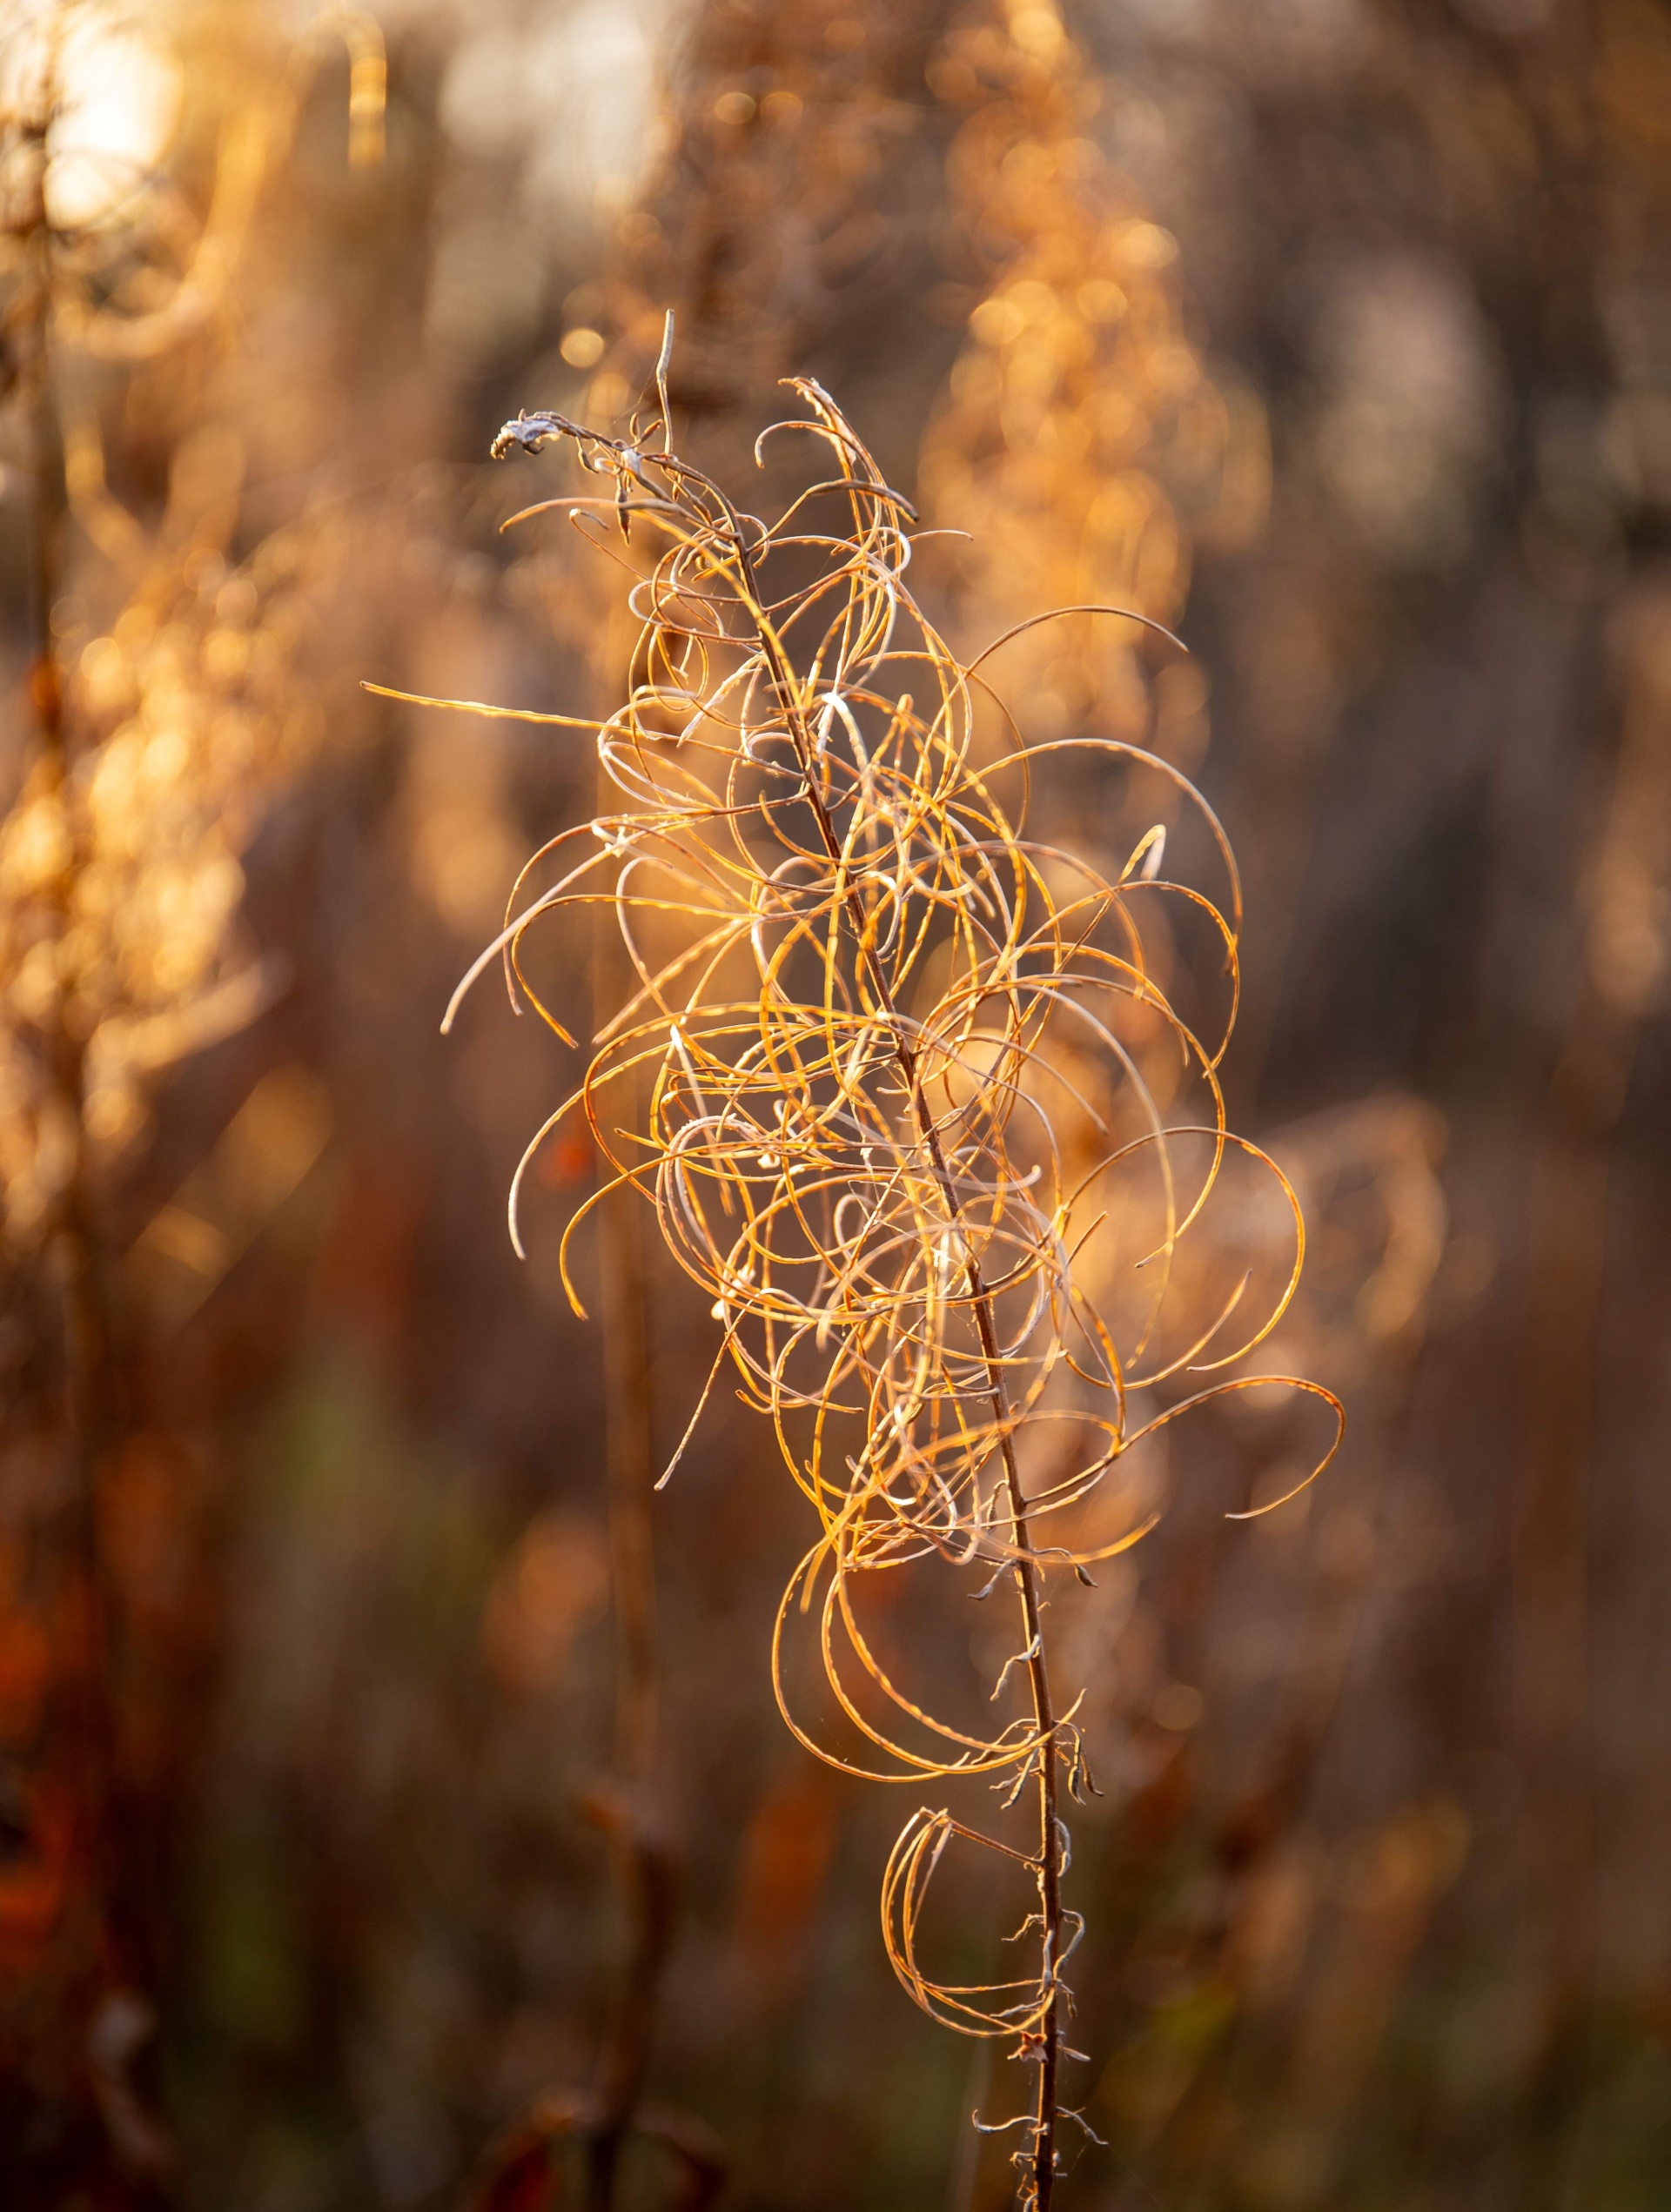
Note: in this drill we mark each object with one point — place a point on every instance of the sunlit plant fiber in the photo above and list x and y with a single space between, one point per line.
771 215
775 203
855 968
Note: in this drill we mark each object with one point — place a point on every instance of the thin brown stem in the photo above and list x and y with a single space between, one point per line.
751 1121
1043 2174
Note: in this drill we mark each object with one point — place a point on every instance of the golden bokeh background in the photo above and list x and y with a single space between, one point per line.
1334 335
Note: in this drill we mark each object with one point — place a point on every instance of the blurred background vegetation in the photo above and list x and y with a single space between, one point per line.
1337 332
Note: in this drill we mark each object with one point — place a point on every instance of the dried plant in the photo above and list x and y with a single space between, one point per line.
1082 441
1084 446
118 862
770 210
762 221
861 986
118 870
120 889
163 707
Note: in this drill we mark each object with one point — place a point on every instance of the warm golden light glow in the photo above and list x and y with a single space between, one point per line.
114 97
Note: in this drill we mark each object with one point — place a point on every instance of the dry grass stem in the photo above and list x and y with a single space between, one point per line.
866 996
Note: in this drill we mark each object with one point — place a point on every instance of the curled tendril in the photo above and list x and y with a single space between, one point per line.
895 1078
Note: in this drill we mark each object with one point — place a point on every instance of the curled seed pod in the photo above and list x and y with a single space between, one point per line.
863 986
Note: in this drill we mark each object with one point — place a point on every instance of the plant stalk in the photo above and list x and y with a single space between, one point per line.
1042 2178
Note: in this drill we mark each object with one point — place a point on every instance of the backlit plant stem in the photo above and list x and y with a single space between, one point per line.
1049 1862
866 1250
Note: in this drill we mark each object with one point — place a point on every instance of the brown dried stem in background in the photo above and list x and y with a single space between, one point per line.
153 744
771 210
1082 442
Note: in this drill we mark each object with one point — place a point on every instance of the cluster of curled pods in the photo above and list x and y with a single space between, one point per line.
909 1093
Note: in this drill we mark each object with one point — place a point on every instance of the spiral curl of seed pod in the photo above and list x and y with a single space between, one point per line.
861 981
